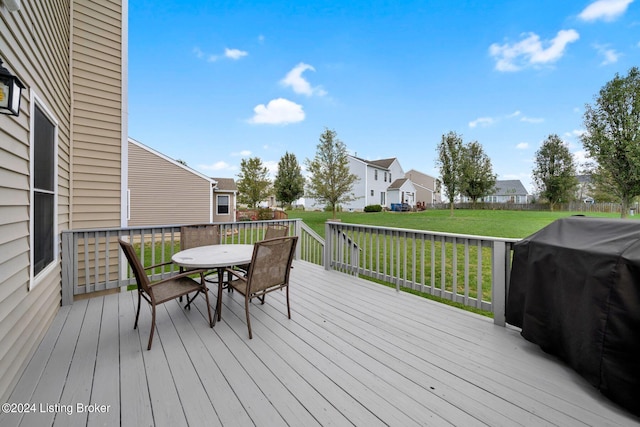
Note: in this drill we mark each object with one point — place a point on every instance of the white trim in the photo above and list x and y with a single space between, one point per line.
124 159
36 100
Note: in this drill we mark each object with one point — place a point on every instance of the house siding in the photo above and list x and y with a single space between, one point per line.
162 192
36 44
97 115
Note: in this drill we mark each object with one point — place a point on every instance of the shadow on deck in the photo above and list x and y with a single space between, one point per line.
353 353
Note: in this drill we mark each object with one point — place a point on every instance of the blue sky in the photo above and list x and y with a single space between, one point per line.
212 82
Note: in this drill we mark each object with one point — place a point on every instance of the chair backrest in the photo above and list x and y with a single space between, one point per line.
271 263
138 270
276 230
192 236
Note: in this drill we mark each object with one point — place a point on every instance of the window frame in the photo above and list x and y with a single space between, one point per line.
228 205
36 278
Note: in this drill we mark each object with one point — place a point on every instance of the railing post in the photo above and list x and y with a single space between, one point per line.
328 243
499 282
67 254
297 231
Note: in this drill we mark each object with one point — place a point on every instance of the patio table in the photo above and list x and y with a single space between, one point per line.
216 257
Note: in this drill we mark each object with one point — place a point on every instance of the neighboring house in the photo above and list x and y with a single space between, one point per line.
62 160
508 191
427 187
374 178
383 182
165 191
225 201
402 191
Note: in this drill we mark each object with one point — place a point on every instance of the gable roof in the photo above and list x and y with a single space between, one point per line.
382 163
225 184
170 160
398 183
510 187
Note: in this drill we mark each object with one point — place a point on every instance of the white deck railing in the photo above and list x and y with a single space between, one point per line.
470 270
92 260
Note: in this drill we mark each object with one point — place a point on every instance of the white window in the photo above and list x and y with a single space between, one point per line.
223 205
44 190
375 174
371 193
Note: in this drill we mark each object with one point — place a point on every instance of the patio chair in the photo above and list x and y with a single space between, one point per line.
195 235
276 230
269 271
161 291
272 231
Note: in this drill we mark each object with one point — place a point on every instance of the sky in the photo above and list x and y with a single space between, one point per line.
212 82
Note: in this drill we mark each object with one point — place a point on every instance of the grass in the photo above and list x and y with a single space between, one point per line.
498 223
493 223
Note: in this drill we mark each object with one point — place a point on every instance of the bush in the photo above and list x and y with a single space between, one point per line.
373 208
265 214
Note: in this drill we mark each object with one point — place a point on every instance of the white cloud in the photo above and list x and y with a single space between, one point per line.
522 146
278 111
514 114
199 53
607 10
298 83
576 133
610 55
482 121
235 53
272 167
531 51
217 166
243 153
532 119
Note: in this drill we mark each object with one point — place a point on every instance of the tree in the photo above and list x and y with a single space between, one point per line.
555 173
477 177
331 181
612 137
253 184
289 182
449 161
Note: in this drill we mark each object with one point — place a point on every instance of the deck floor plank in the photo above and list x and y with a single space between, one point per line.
353 353
106 381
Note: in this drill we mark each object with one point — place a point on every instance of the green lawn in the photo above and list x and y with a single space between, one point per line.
498 223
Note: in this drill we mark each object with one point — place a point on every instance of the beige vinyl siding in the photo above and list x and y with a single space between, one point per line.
96 58
34 45
162 192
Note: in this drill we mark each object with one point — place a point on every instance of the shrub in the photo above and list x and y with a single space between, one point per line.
373 208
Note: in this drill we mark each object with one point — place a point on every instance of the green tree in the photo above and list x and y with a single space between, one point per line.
477 177
555 173
330 180
289 182
612 137
253 184
449 161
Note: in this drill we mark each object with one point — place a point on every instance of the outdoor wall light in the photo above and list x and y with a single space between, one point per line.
10 92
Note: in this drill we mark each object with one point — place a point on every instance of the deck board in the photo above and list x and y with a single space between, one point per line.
353 353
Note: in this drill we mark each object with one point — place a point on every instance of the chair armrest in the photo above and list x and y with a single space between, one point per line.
238 274
158 265
179 275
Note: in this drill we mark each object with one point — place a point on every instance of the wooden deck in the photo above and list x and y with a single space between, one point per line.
353 353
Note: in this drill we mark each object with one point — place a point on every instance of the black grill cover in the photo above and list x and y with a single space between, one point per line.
575 291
